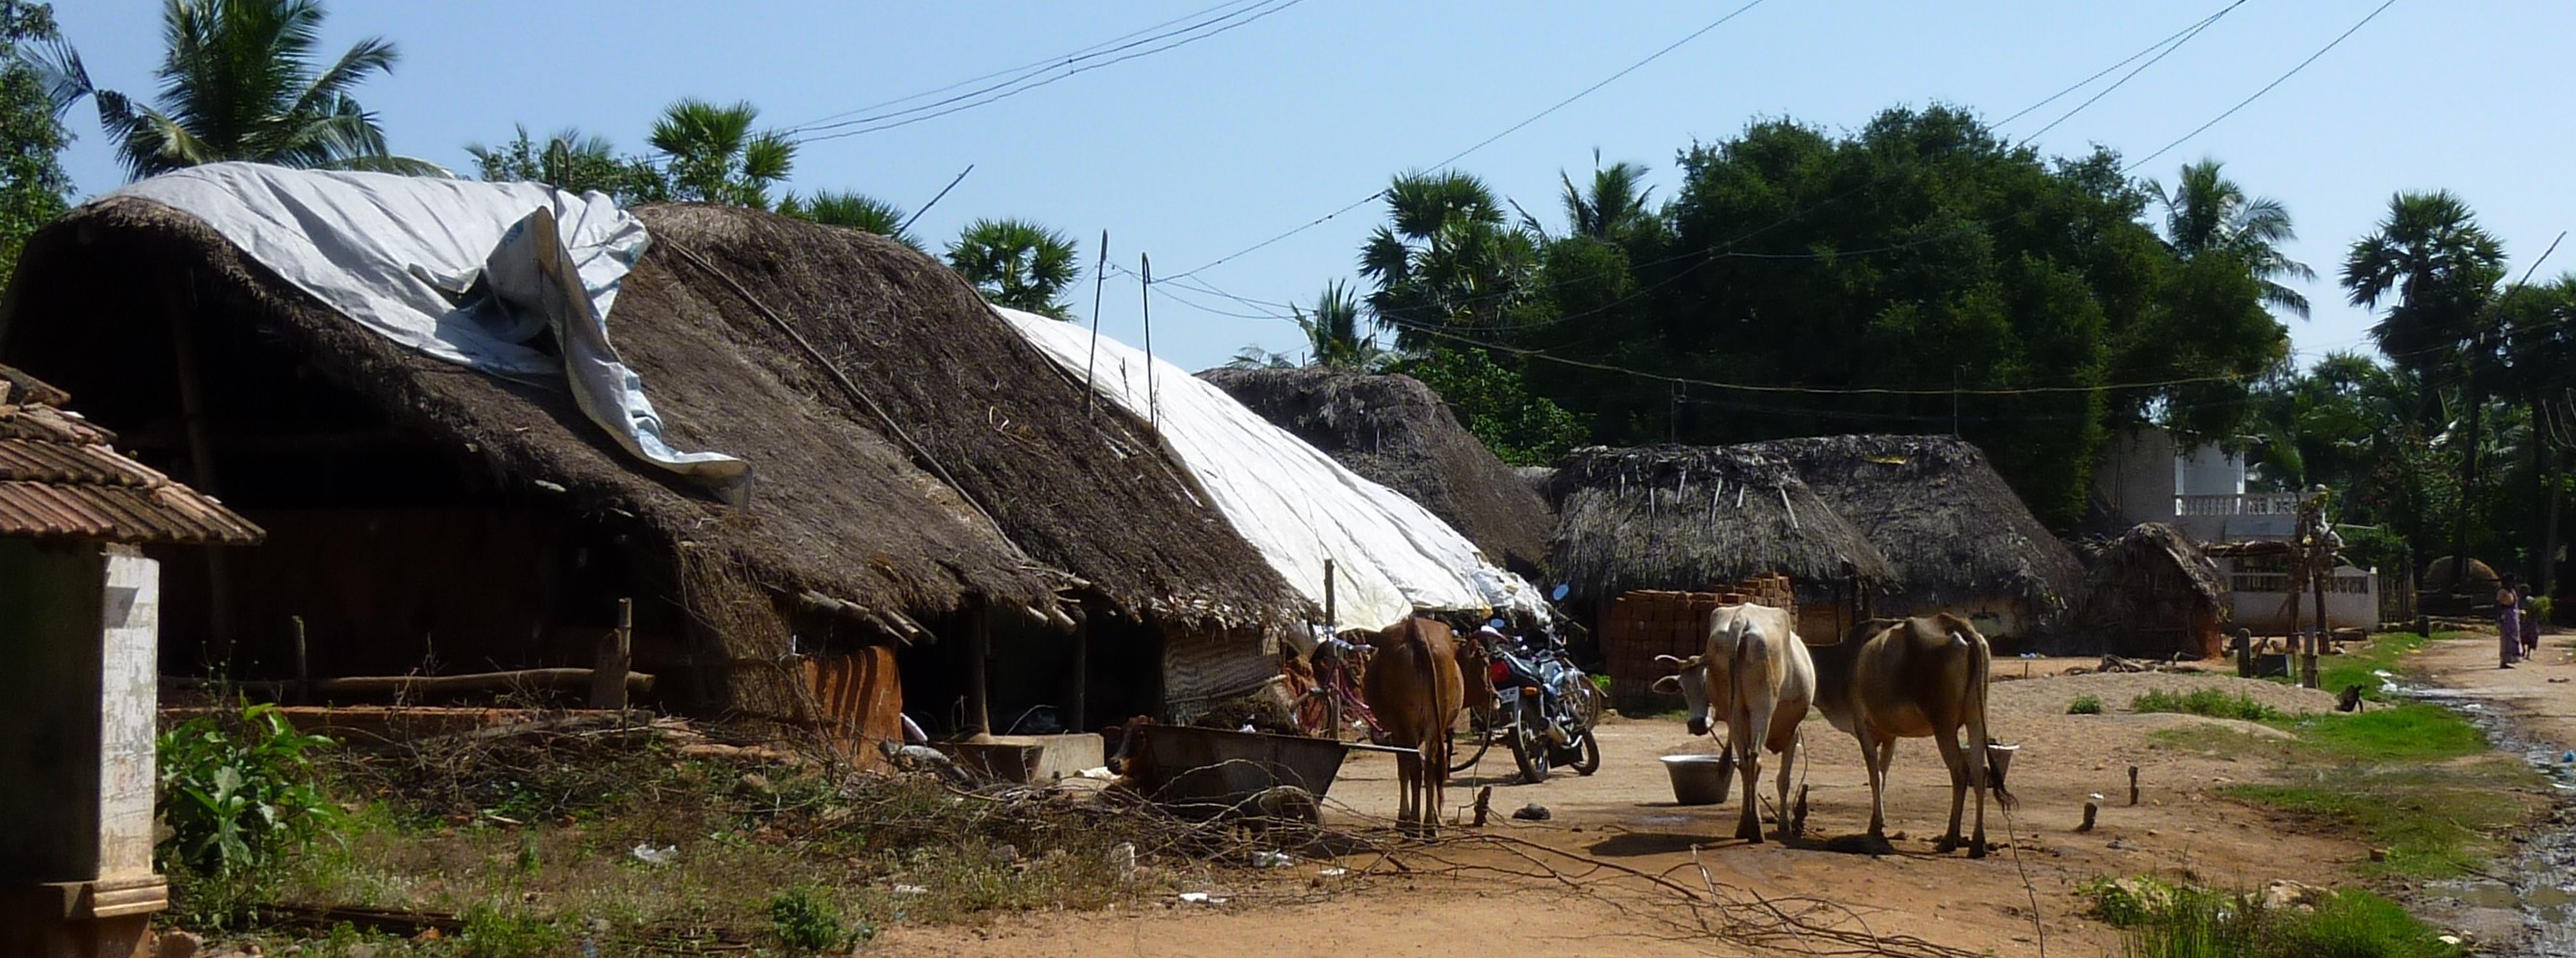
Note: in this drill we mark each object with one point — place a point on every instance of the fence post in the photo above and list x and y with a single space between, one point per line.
616 655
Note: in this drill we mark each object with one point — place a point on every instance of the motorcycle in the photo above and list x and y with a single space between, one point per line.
1545 707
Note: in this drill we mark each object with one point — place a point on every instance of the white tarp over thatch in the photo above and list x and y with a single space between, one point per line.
1289 499
467 272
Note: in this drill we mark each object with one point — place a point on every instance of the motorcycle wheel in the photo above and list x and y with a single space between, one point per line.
1465 753
1587 754
1529 742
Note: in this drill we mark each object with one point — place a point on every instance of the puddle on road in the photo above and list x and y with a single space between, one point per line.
2540 886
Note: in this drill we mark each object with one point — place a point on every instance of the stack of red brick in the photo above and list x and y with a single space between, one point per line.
1644 624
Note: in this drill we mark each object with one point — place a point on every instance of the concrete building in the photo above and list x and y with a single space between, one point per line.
2145 476
79 622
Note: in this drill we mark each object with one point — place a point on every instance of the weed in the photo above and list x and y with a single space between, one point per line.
804 921
2207 701
239 794
2434 822
490 932
2405 732
2158 920
2085 705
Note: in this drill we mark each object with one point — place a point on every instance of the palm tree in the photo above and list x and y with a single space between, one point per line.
1333 332
238 82
1017 263
571 160
713 156
1445 259
1614 204
857 211
2443 268
2207 212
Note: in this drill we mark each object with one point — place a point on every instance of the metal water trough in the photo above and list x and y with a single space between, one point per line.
1203 772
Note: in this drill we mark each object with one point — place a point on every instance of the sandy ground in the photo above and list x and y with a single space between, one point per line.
1625 816
2540 692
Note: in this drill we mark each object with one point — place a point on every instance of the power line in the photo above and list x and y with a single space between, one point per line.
2267 88
1023 84
1029 67
1480 144
2194 28
2187 36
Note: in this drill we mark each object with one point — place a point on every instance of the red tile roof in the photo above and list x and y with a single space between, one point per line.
60 478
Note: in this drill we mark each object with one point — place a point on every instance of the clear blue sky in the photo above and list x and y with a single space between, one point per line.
1202 150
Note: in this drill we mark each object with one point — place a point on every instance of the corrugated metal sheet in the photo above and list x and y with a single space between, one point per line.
59 478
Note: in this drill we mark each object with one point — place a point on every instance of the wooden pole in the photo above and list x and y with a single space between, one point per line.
303 674
1081 673
1145 294
201 463
979 645
1330 622
1099 283
616 657
2244 653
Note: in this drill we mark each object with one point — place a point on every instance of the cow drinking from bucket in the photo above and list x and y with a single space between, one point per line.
1915 678
1413 688
1753 674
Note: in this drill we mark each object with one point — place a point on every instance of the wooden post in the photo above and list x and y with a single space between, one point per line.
1145 296
2133 784
201 463
979 645
616 656
1081 663
2308 661
303 674
2244 653
1330 623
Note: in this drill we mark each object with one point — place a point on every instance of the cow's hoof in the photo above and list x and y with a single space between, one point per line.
1977 850
1750 833
1946 845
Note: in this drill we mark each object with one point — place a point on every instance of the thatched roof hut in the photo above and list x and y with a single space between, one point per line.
1690 517
1395 431
442 512
2151 594
1960 539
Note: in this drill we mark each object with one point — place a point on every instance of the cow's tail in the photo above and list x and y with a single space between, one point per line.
1980 677
1420 649
1739 711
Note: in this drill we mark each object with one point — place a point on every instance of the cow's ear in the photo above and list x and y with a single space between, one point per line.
1669 685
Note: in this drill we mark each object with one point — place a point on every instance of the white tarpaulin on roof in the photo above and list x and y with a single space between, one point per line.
468 272
1293 502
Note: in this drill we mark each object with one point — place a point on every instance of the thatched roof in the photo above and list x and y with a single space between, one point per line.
845 504
1941 515
2146 592
1688 517
1396 432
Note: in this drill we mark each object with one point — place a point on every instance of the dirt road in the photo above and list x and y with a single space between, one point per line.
1625 816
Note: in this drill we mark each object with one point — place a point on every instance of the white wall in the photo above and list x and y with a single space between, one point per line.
2258 602
2135 480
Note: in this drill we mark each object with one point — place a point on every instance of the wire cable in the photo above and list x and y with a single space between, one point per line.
2267 88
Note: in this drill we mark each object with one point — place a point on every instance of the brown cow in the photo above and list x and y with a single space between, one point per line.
1412 686
1914 678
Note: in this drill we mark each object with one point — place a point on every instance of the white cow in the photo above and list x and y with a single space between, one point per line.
1758 679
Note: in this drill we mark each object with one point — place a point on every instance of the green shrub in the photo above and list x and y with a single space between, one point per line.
2209 702
2158 920
239 795
805 922
2085 705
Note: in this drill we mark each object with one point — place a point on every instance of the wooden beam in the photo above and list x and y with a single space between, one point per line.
979 646
201 461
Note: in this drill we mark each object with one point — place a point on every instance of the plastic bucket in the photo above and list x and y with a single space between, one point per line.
1700 779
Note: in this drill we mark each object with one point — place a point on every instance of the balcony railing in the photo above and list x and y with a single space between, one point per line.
2248 504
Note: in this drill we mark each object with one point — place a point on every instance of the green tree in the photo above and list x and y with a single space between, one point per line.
1017 263
571 160
1333 335
33 186
2442 268
2208 213
1496 405
1612 207
712 155
850 210
1445 261
239 81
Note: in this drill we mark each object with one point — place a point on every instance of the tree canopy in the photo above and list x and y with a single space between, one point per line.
33 187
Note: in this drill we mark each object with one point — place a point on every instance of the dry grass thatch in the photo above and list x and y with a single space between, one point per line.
2151 593
1686 517
1952 527
845 504
1395 431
